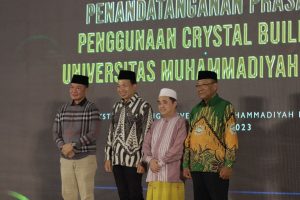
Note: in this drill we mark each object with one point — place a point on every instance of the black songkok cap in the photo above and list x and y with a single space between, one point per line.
84 80
129 75
207 75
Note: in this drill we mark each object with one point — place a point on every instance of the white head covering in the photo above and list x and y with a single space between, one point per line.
168 92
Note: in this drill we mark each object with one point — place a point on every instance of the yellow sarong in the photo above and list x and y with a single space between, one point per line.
165 191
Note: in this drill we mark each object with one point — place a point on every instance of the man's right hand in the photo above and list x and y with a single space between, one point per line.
154 166
67 149
108 166
187 173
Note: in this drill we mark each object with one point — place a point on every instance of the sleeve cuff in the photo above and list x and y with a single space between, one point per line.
185 165
107 154
228 163
60 145
148 159
76 145
161 163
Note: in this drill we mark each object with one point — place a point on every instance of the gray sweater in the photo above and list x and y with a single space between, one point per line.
78 124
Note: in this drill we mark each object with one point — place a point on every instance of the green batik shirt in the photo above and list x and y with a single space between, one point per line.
212 140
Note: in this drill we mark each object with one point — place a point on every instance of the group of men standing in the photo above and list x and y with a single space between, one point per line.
169 149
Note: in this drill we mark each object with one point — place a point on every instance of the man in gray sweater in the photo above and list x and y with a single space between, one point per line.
74 132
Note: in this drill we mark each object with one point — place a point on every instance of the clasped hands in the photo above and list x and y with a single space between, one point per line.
154 166
68 150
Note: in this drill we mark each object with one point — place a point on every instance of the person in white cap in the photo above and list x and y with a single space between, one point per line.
163 150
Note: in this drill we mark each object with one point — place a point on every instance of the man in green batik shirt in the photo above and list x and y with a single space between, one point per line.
211 144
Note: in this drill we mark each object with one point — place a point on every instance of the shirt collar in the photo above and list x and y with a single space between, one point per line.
170 118
132 99
213 101
80 104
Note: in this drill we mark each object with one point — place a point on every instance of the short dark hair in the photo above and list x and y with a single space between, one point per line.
172 99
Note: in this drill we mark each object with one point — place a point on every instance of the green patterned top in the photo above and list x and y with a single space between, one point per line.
212 140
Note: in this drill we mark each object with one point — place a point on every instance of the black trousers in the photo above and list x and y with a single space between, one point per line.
209 186
129 183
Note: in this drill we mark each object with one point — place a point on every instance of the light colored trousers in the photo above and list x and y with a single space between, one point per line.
77 178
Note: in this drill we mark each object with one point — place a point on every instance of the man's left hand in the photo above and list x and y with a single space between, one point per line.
140 169
225 173
66 149
71 154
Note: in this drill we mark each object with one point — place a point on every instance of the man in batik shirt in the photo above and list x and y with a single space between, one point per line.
131 119
210 148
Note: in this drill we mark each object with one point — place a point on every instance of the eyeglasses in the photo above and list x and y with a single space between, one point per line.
204 84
